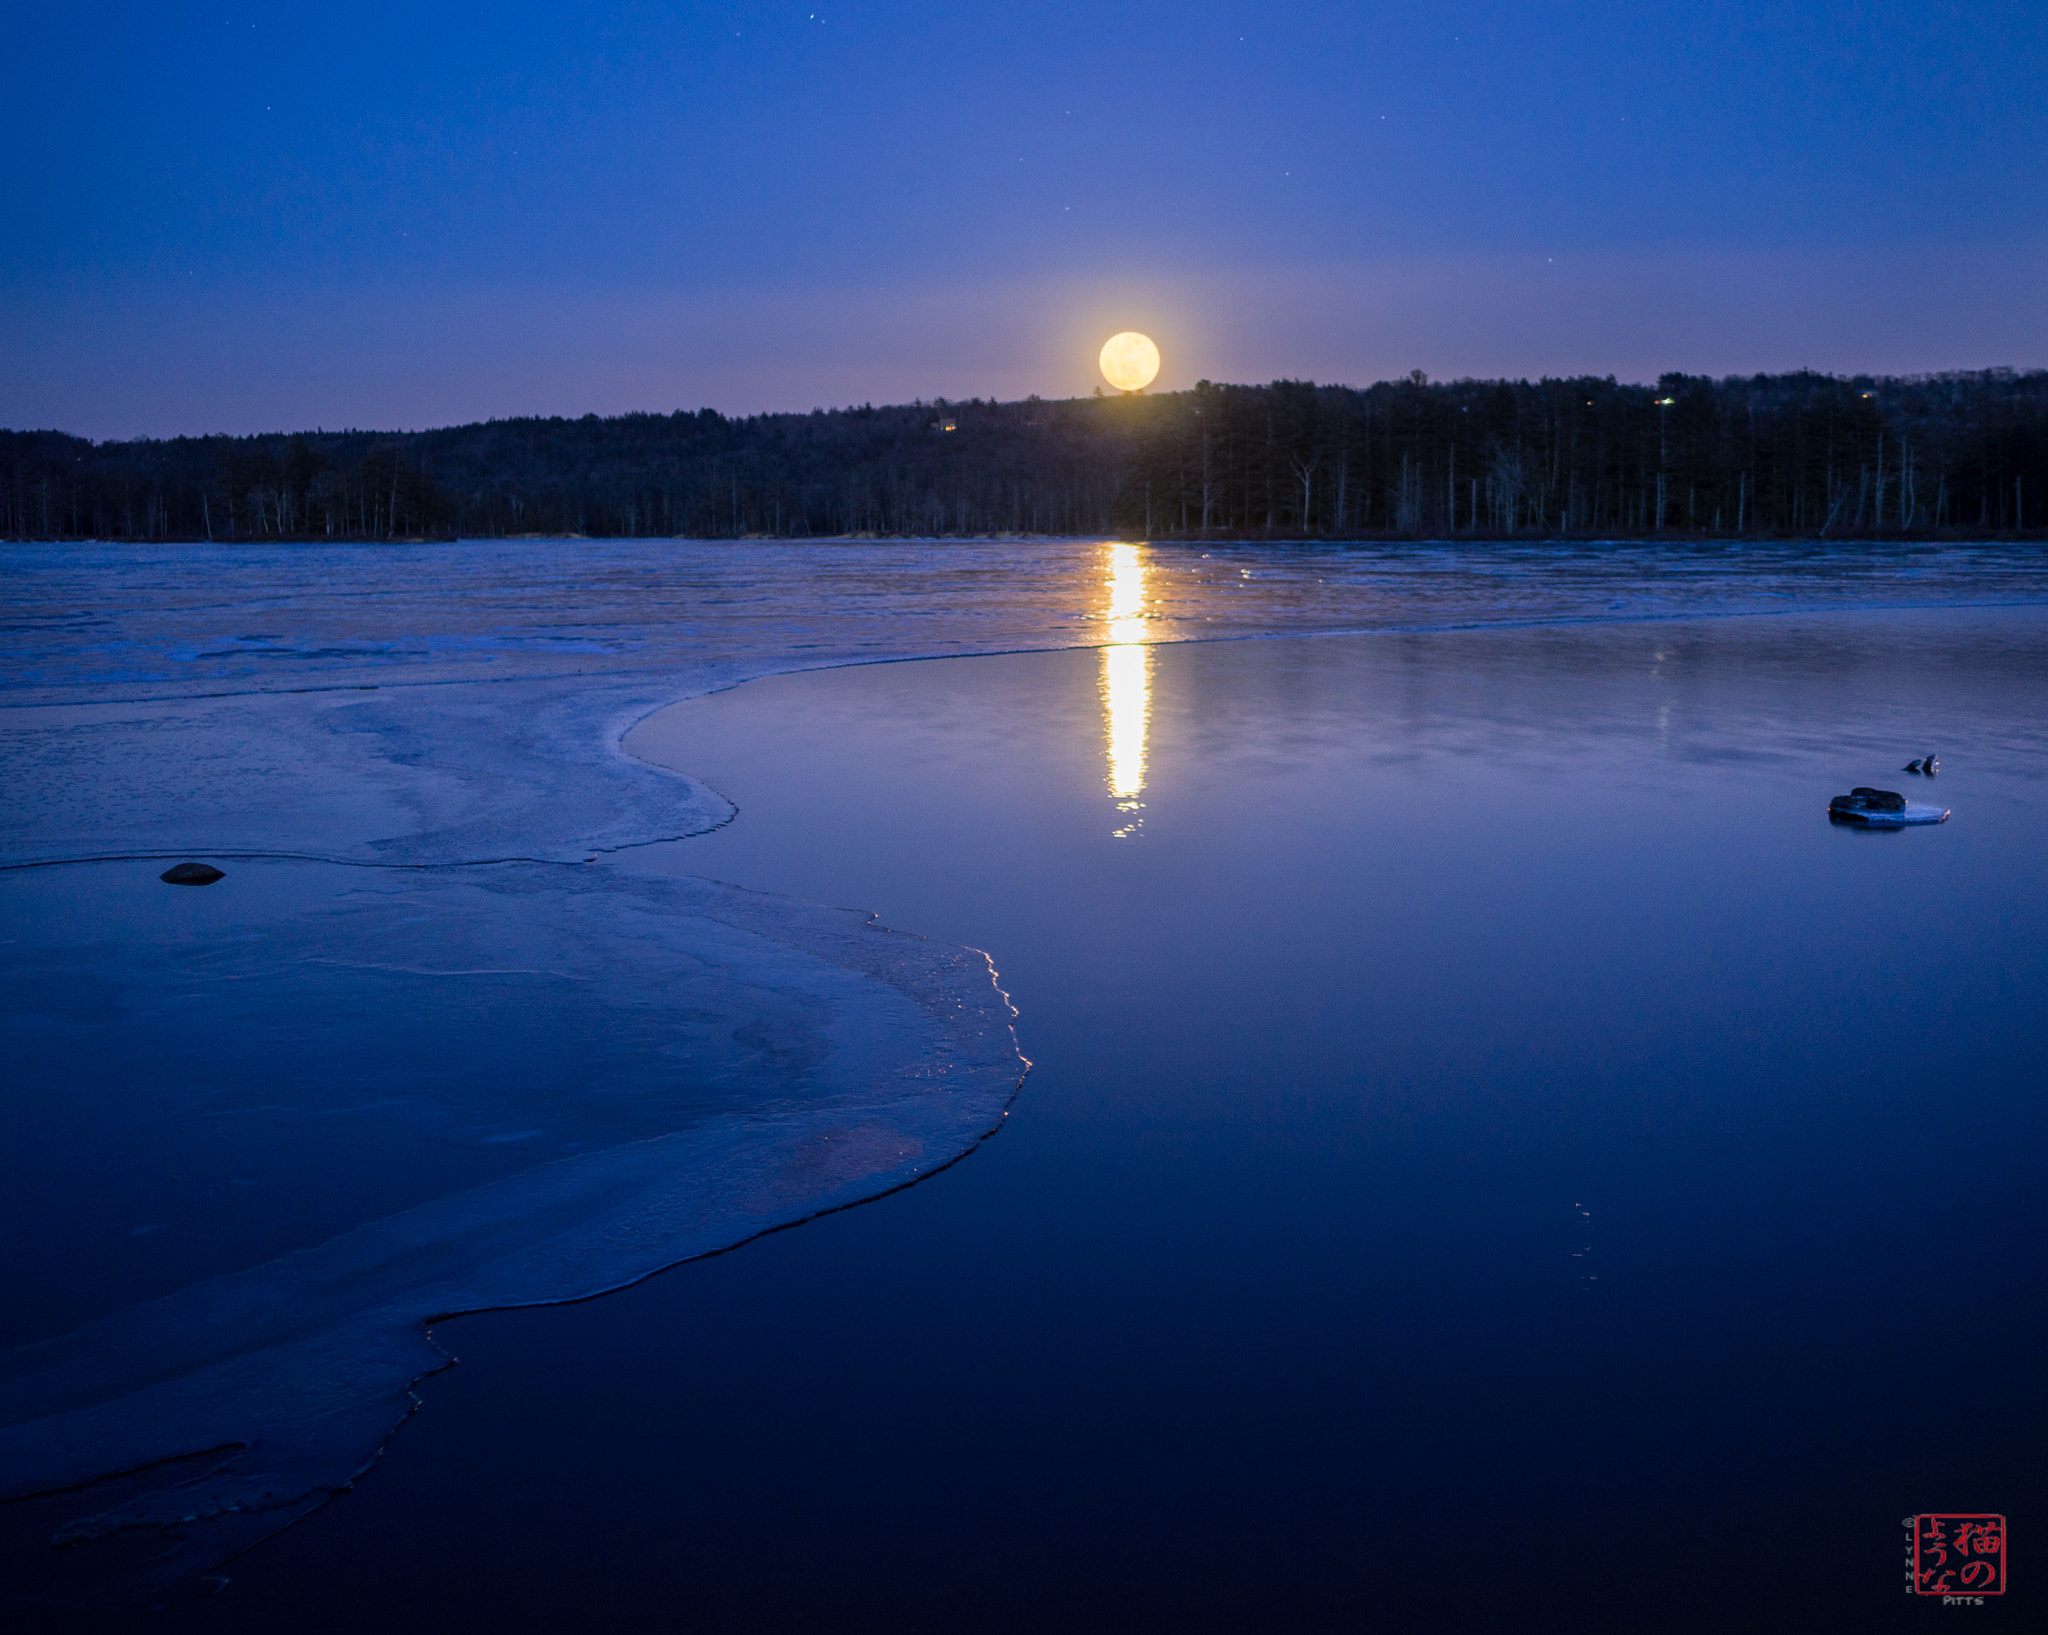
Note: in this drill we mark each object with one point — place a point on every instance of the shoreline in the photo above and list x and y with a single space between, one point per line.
1669 538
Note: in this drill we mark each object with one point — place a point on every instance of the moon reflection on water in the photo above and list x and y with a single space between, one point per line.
1126 688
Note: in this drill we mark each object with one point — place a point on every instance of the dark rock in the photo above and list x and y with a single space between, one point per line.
190 874
1863 801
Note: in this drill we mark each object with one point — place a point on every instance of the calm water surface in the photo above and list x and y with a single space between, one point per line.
1496 1158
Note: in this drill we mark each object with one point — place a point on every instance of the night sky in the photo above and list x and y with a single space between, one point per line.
404 215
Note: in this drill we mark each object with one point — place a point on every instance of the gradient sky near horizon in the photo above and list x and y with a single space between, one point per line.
235 218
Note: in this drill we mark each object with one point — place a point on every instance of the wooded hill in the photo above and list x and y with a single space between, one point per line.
1813 455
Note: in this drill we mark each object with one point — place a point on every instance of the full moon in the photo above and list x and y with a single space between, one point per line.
1129 360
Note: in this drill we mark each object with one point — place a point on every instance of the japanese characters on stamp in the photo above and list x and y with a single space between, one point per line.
1957 1555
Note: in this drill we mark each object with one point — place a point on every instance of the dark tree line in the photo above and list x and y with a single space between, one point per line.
1802 454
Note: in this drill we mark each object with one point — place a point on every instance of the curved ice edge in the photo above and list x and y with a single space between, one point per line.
285 1381
1443 627
527 769
625 802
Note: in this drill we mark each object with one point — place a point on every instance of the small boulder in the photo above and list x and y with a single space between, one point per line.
190 874
1863 800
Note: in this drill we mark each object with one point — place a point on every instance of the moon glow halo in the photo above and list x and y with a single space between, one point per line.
1130 361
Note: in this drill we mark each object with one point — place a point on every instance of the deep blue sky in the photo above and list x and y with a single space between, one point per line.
385 214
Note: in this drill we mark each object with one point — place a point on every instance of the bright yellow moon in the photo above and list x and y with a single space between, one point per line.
1130 360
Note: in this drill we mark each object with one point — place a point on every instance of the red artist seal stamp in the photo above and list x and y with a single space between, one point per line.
1957 1556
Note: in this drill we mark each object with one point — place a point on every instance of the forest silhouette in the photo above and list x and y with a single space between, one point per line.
1960 454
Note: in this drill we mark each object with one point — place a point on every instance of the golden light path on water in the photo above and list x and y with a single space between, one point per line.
1126 686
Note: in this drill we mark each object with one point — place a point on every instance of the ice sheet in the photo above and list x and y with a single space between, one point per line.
715 1063
456 703
1912 814
720 1063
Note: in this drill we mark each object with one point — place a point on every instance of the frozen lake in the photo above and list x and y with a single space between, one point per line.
1473 1079
1489 1136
